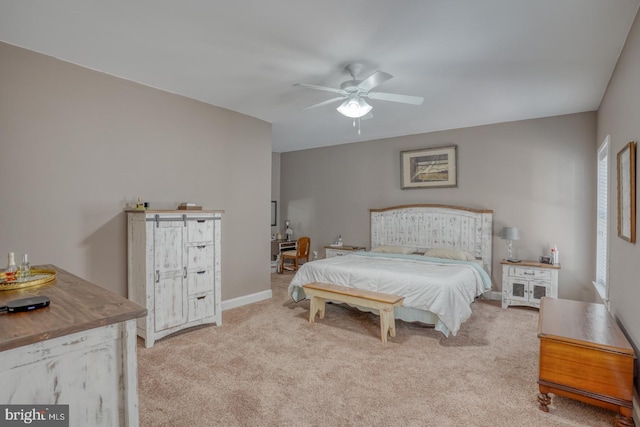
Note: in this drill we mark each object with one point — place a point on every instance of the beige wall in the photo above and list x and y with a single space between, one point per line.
619 117
78 145
537 175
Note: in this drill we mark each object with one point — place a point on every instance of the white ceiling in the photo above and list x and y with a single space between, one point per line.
474 61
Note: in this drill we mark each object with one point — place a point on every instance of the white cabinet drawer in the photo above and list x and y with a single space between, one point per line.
201 306
199 281
200 230
530 273
200 257
331 252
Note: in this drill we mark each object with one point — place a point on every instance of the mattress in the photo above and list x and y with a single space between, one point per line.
435 290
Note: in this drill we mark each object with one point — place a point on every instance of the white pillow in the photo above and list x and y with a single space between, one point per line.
392 249
449 253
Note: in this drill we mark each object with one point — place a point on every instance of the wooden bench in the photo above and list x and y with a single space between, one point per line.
384 303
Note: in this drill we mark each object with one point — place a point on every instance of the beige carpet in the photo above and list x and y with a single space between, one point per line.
267 366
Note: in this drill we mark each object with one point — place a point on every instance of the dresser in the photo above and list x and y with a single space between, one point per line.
526 282
331 251
80 351
174 270
585 356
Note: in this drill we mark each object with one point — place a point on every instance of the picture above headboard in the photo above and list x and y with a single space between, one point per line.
435 226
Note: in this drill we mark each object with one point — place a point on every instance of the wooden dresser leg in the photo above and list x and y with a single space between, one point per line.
544 400
625 418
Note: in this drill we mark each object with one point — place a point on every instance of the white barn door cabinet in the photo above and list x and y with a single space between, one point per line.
174 269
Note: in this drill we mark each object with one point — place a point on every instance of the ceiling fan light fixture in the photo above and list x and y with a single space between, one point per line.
354 107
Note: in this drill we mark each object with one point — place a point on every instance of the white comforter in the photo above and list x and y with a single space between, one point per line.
443 287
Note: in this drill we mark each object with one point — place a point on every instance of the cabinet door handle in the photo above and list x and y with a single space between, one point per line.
157 276
201 246
530 274
200 220
185 273
202 272
202 297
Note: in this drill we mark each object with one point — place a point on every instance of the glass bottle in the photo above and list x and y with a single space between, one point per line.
25 268
11 271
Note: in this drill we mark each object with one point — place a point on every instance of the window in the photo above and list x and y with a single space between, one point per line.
602 249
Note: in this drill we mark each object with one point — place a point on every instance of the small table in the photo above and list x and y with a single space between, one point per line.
585 356
526 282
278 246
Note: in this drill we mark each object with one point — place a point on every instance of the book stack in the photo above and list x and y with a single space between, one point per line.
189 207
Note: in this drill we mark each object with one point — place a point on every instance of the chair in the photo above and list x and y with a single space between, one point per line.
301 252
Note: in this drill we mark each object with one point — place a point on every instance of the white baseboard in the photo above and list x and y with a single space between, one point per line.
493 295
246 299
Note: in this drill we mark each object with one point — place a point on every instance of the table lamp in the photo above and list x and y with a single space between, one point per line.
510 234
288 231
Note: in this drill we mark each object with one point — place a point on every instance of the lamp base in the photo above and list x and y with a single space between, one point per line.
514 260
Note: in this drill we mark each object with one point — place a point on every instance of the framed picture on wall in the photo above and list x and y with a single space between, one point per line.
274 213
429 167
627 193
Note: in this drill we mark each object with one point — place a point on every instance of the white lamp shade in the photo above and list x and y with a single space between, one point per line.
354 107
510 233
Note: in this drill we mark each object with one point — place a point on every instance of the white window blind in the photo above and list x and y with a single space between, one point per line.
602 253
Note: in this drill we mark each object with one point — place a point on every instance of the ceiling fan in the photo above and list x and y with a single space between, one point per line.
354 91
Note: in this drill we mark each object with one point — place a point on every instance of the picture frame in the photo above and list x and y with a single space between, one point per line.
274 213
435 167
545 259
627 192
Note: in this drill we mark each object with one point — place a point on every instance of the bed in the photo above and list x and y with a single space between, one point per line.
438 257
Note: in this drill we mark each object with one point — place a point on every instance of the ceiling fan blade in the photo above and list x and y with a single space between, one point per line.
405 99
324 88
367 116
327 102
374 80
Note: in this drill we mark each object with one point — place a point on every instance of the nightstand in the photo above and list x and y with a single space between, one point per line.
331 251
525 282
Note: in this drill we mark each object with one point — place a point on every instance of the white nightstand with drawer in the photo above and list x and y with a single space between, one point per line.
525 282
331 251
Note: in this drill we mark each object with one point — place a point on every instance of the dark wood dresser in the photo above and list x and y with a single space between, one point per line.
585 356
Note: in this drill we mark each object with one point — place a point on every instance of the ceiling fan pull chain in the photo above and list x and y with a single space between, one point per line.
358 125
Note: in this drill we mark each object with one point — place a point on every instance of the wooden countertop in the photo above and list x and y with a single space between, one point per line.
76 305
581 323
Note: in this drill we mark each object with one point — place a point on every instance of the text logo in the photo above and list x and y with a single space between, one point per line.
34 415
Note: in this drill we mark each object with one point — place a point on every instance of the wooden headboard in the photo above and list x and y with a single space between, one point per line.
435 226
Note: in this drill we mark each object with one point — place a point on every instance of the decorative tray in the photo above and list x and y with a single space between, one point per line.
38 277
